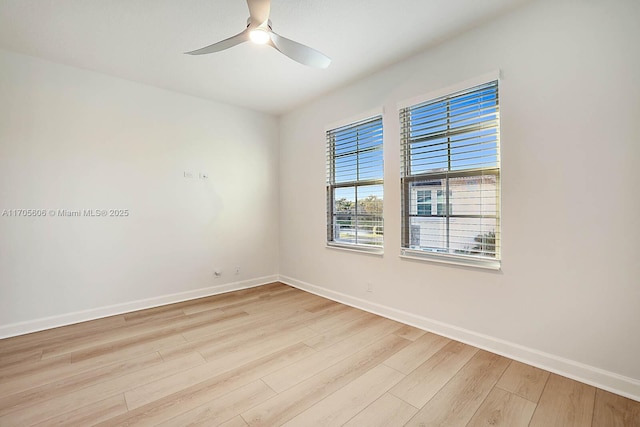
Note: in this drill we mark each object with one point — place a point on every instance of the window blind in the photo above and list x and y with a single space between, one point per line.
451 175
355 184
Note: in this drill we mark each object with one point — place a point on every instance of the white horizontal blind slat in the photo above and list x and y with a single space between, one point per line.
451 174
354 184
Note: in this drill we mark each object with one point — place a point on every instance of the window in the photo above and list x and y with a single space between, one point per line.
424 202
441 203
355 185
450 149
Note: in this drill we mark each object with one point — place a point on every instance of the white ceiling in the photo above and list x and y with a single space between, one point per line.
144 41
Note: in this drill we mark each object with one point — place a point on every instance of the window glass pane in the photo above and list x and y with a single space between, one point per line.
429 155
441 203
473 236
451 171
474 195
370 167
346 168
369 209
423 202
354 183
344 214
472 214
428 233
421 193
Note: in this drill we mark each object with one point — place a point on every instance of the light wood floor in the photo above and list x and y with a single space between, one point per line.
273 356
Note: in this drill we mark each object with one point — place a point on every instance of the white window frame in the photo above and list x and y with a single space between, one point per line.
448 258
331 185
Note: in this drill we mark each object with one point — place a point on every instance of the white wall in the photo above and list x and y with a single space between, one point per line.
73 139
568 294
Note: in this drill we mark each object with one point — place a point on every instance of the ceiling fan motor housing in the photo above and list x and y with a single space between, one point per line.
268 23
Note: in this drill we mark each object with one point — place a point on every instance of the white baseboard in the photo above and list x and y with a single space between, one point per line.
606 380
112 310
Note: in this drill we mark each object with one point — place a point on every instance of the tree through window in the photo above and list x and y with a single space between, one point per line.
355 184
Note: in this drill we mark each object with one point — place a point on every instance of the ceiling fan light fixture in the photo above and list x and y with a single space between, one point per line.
259 36
259 31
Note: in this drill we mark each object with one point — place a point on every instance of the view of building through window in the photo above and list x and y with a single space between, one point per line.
451 174
459 228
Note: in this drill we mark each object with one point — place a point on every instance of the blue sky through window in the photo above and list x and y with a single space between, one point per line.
455 133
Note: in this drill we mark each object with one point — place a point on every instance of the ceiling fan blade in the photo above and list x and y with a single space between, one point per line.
299 52
259 11
222 45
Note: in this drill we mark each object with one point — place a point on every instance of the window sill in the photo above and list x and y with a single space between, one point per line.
486 264
367 250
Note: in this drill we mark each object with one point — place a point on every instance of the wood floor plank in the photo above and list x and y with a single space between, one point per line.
456 403
217 364
156 313
612 410
90 414
387 411
274 354
417 353
564 403
315 363
288 302
68 334
89 358
338 318
340 332
80 342
410 333
424 382
264 343
524 380
225 335
26 358
231 300
67 384
42 367
293 299
235 422
137 335
143 343
503 409
320 304
224 408
223 330
44 410
207 390
39 340
339 407
294 400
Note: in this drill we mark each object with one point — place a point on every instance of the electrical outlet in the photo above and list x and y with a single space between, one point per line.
238 270
369 287
188 174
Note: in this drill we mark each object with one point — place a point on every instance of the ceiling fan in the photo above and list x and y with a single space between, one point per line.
259 31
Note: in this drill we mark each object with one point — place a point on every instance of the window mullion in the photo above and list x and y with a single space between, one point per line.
357 210
446 197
